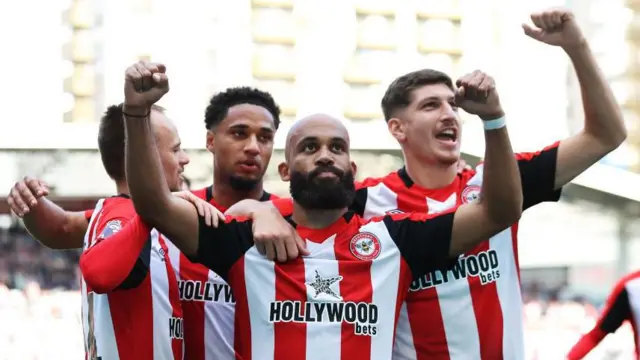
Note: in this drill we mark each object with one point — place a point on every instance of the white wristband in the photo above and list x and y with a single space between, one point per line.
495 124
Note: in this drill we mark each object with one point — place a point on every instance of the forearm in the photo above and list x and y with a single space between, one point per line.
501 186
603 116
586 343
246 207
54 227
107 264
146 180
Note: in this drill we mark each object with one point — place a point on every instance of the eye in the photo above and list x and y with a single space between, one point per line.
337 148
309 147
238 133
265 138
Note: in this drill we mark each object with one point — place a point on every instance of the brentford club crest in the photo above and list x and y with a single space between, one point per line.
470 193
365 246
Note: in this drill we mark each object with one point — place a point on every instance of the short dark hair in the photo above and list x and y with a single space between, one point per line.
221 102
111 140
398 94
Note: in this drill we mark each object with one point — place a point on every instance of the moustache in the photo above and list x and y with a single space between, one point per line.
326 168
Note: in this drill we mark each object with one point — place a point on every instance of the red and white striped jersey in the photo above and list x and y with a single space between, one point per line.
474 310
341 301
208 303
623 304
141 319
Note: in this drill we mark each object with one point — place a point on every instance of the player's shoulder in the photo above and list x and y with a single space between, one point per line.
115 211
529 155
202 193
283 205
392 179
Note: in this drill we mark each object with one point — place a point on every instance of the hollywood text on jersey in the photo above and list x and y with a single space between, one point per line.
364 316
192 290
176 328
484 265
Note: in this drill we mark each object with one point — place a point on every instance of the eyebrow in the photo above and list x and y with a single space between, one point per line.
432 98
246 127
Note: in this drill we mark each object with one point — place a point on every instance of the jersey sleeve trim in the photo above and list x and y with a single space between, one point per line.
424 240
538 173
221 247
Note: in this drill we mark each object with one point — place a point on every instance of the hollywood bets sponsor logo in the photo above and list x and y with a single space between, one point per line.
176 328
327 306
484 265
192 290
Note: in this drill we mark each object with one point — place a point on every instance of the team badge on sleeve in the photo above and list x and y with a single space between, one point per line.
365 246
110 229
470 193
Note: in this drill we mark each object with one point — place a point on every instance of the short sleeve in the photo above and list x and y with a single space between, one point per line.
424 240
538 173
221 247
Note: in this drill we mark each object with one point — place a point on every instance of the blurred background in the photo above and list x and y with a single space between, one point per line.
64 61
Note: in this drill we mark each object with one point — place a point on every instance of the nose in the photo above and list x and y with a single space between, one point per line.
325 157
448 112
252 147
184 158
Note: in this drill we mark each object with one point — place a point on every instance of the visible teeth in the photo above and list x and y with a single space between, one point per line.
448 132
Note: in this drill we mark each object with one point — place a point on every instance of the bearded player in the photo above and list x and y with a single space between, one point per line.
474 311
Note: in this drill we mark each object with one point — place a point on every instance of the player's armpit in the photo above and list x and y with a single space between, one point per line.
424 240
576 154
221 247
116 259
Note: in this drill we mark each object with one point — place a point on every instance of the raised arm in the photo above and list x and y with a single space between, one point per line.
499 203
604 128
145 84
48 223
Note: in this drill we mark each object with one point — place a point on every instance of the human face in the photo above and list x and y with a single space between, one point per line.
429 127
242 145
172 157
318 165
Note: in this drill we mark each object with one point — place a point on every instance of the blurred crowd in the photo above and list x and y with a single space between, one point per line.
39 299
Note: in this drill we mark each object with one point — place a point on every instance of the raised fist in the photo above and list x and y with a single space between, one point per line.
476 94
556 27
144 84
24 195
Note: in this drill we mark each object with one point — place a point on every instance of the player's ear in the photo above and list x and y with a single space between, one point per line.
397 129
283 170
354 169
210 141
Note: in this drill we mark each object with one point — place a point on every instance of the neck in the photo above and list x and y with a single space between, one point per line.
226 196
315 219
427 174
122 188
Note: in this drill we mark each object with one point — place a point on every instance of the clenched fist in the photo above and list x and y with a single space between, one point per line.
477 94
24 195
144 84
556 27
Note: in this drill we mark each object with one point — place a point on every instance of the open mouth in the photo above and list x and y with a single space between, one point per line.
448 135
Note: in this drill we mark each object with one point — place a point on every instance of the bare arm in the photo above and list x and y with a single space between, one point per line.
171 215
46 222
500 201
604 128
54 227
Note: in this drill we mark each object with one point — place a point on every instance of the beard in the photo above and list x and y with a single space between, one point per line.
316 193
238 183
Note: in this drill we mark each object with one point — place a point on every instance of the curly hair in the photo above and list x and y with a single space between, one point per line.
221 102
